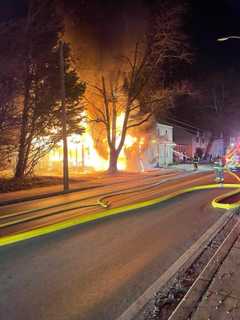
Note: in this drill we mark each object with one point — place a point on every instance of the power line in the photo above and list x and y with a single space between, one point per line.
193 131
185 125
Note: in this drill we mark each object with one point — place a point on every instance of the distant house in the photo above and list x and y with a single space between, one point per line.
217 148
189 143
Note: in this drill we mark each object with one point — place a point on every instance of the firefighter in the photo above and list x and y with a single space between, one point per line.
219 169
195 162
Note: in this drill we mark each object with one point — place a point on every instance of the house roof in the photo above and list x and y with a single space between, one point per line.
159 124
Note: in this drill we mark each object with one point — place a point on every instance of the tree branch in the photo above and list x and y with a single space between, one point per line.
140 122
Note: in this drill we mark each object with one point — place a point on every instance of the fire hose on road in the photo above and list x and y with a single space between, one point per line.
74 206
104 202
216 203
31 215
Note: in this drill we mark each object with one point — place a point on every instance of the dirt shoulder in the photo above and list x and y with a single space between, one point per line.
38 185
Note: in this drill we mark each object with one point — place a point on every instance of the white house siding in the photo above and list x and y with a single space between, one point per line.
160 149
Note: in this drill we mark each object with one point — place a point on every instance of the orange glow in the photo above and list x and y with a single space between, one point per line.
83 153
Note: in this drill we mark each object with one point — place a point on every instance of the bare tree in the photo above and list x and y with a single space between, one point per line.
32 31
136 93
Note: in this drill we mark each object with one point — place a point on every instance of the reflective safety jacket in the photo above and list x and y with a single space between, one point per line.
218 165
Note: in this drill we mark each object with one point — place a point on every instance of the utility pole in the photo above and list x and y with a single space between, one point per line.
64 119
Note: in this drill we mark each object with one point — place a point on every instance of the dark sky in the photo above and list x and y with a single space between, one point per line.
208 20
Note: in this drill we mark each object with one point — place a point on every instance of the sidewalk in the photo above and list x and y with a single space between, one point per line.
222 299
189 167
41 191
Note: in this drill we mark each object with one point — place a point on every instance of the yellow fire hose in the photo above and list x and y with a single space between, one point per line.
233 174
216 203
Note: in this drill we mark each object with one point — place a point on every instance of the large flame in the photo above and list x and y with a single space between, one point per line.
83 153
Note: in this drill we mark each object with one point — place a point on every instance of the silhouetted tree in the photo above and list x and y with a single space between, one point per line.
137 94
34 39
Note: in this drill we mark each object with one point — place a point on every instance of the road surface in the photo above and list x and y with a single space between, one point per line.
29 215
95 271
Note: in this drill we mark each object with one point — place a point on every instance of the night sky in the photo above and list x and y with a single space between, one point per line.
207 20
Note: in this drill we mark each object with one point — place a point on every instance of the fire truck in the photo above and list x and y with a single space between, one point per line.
232 157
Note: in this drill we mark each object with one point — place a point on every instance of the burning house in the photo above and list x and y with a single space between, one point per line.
147 150
159 151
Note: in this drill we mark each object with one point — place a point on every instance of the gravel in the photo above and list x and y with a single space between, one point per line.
166 300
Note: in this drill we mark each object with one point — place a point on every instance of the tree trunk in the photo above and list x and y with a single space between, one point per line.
22 161
113 161
64 119
28 144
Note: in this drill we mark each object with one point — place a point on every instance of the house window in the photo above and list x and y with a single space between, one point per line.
197 139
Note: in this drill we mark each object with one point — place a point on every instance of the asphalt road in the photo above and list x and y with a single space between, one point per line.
56 209
95 271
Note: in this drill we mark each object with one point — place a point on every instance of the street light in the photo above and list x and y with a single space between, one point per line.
227 38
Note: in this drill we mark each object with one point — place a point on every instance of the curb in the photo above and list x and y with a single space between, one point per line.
182 263
200 285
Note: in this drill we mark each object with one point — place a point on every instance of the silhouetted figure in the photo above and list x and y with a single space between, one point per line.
195 161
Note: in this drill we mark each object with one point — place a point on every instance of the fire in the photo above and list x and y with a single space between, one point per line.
83 154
